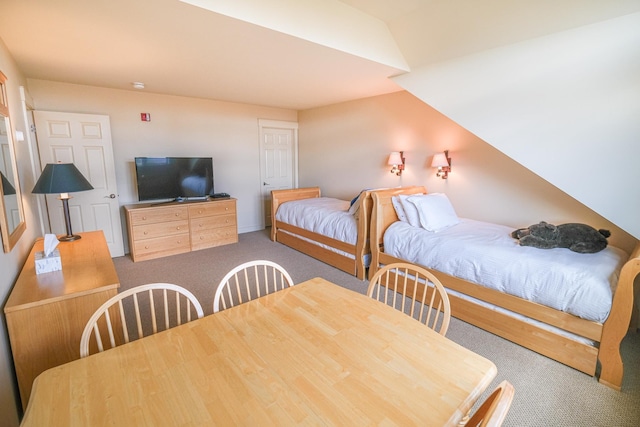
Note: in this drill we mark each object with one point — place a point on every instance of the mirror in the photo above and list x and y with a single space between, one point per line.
12 223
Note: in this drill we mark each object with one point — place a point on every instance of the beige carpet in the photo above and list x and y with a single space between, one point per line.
547 392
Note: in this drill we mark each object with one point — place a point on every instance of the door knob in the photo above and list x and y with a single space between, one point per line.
110 196
265 183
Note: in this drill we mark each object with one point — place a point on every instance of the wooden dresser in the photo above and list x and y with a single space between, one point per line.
167 229
46 313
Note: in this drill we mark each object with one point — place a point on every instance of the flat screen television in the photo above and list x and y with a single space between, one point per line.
174 177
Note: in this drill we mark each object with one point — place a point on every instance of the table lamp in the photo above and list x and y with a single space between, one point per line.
7 188
63 178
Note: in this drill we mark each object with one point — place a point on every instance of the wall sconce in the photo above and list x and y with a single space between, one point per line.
442 161
396 159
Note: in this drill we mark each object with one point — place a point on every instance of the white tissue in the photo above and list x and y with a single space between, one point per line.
48 259
50 243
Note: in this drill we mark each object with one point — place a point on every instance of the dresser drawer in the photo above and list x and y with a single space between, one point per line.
161 246
153 230
159 214
214 237
212 208
209 222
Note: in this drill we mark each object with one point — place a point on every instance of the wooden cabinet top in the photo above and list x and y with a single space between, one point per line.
170 204
87 267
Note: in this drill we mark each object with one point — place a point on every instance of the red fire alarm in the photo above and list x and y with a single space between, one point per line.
145 117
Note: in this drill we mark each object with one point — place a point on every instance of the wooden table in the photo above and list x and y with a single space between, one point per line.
46 313
312 354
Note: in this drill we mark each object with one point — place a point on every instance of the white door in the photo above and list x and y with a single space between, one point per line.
278 160
84 140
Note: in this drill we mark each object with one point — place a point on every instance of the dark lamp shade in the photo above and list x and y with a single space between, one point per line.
7 188
61 178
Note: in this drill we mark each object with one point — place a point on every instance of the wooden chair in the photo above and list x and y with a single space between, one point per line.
249 281
402 286
494 409
128 321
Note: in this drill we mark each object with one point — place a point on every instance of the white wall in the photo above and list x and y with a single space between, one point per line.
179 126
344 148
566 106
11 263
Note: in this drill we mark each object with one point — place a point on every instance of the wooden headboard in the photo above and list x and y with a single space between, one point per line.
383 214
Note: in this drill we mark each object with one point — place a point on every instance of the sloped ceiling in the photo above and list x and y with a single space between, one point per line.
283 53
561 105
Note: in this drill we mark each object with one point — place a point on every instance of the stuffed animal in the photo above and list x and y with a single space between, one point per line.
580 238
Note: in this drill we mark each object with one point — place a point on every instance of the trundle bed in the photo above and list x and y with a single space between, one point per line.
553 332
331 230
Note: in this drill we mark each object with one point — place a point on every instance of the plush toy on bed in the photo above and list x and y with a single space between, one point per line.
580 238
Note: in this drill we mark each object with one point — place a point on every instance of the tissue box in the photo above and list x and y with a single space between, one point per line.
45 264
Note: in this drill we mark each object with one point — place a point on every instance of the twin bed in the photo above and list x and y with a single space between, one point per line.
573 308
332 230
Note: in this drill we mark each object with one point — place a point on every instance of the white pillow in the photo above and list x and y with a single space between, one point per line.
397 205
435 212
410 210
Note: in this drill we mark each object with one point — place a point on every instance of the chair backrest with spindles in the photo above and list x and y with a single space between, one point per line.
494 408
248 281
138 312
414 291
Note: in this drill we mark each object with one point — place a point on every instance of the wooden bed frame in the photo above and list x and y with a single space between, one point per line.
583 357
354 266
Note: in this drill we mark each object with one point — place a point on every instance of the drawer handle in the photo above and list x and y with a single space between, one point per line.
144 217
177 228
146 247
200 211
201 237
146 232
177 214
226 209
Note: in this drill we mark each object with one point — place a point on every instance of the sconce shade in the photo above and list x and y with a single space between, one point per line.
439 160
395 158
7 188
61 178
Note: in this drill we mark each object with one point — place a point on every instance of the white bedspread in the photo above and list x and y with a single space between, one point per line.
484 253
323 215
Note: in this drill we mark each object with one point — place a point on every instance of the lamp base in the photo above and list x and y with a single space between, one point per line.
69 238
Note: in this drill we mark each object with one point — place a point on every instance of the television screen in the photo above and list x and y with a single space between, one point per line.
174 177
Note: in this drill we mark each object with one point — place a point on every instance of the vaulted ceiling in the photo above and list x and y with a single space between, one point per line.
283 53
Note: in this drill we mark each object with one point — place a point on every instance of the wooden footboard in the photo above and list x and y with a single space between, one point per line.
581 356
309 242
617 324
281 196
